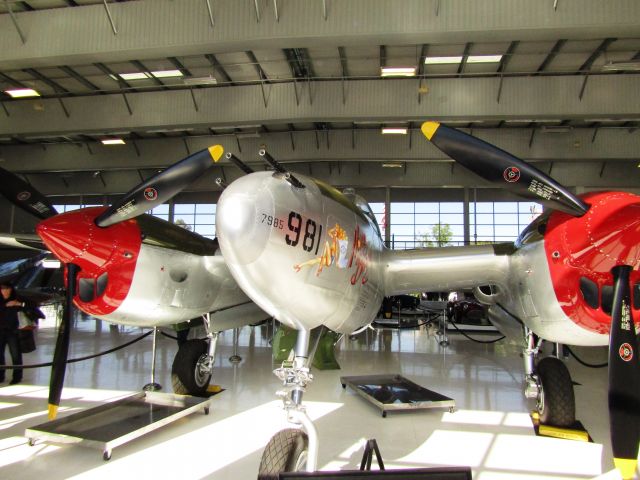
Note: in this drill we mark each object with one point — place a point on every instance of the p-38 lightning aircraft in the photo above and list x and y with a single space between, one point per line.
310 255
130 268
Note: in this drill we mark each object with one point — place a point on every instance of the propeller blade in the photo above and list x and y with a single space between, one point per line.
624 377
61 352
503 169
161 187
24 196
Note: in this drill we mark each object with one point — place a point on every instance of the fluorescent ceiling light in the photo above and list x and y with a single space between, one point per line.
394 130
458 59
22 92
621 66
167 73
134 76
484 58
398 71
392 165
200 81
442 60
112 141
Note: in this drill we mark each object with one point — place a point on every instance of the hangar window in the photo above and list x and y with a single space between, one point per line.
426 224
500 221
196 217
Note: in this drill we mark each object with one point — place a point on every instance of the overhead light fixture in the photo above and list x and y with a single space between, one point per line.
22 92
398 72
167 73
133 76
394 130
200 80
442 60
112 141
458 59
484 58
621 66
393 165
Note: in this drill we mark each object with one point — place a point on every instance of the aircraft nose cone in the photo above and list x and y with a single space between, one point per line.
73 237
239 218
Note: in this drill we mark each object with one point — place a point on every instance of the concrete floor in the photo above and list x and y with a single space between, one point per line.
490 432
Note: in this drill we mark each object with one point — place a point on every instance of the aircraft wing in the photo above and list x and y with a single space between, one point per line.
14 246
445 269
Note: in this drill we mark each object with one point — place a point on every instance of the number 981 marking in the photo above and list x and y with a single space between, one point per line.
312 233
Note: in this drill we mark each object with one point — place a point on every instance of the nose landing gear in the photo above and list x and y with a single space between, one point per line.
292 449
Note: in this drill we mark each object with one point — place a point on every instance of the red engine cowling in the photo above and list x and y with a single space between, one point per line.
106 256
581 251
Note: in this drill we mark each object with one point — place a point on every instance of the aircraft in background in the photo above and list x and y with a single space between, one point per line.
310 255
130 268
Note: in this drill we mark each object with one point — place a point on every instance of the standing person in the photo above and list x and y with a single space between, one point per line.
10 304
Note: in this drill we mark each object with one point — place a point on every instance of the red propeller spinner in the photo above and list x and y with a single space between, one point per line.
106 256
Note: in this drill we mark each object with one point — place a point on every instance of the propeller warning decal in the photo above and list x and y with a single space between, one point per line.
511 174
150 193
626 352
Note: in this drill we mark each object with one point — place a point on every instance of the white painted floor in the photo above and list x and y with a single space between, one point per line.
491 431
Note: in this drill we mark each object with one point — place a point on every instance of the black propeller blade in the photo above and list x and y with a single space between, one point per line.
624 377
503 169
61 352
24 196
161 187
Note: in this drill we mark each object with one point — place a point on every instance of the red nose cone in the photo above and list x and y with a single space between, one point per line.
106 256
74 238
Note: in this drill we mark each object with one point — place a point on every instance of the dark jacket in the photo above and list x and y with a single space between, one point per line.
9 315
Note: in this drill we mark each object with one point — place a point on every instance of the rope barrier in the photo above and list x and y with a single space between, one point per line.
80 359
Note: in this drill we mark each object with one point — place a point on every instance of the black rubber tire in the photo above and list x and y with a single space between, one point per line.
283 453
558 407
183 370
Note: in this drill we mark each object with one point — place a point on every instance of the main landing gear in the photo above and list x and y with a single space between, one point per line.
549 383
292 449
193 364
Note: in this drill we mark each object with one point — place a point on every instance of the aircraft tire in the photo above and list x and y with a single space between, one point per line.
285 452
186 377
557 405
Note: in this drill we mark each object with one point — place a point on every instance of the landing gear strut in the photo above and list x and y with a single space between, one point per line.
292 449
549 383
193 365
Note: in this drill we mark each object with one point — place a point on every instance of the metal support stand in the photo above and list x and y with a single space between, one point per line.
235 358
444 340
153 386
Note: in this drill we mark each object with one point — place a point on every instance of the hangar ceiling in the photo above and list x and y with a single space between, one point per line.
303 78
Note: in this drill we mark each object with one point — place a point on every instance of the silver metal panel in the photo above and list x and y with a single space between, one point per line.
170 286
443 269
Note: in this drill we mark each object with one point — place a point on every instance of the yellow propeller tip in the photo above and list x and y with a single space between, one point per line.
216 152
53 411
626 466
429 128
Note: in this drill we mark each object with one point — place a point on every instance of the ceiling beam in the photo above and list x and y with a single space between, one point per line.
464 99
180 28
